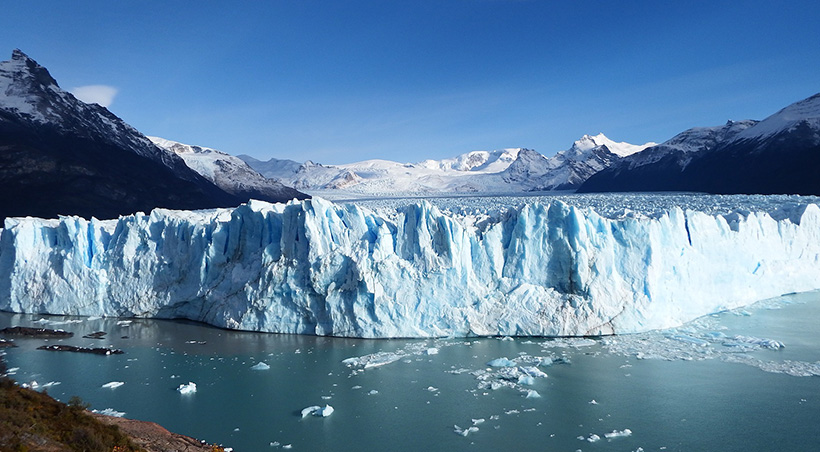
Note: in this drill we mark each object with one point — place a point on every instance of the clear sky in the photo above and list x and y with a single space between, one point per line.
349 80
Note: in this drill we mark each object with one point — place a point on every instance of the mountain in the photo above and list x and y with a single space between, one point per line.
779 155
229 173
568 169
59 155
499 171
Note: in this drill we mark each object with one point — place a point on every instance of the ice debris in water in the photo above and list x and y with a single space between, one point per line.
501 362
464 431
700 339
109 412
317 411
533 394
113 384
260 366
378 359
511 373
189 388
618 434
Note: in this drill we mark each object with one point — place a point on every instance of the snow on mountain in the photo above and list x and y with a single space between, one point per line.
779 155
806 111
621 149
31 95
228 172
685 146
313 267
500 171
475 161
273 168
63 156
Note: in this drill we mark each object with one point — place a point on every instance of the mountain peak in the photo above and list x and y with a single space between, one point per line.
622 149
26 69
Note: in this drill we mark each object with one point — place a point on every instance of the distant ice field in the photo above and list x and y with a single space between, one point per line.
608 205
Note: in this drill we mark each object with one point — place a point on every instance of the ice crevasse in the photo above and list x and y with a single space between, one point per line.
314 267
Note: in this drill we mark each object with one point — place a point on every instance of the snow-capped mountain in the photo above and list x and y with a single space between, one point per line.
228 172
569 169
31 96
59 156
500 171
780 154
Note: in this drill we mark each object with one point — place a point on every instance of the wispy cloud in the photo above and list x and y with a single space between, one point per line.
95 94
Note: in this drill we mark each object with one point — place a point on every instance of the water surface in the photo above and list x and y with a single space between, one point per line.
694 388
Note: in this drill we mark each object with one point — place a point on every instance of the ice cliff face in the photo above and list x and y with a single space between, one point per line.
313 267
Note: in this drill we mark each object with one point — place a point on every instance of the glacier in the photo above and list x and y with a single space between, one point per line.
315 267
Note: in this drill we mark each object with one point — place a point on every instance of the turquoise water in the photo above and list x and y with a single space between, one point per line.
695 388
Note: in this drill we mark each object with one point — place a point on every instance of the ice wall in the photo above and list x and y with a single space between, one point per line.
314 267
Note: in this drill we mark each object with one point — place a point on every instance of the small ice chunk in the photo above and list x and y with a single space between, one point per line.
372 392
478 421
533 394
432 389
501 362
526 380
593 438
318 411
618 434
464 431
189 388
432 351
593 402
310 410
260 366
534 371
113 384
109 412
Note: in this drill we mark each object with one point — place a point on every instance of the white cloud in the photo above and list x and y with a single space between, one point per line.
95 94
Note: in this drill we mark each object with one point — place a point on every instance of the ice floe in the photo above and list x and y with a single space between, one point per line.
318 411
618 433
260 366
109 412
185 389
113 384
464 431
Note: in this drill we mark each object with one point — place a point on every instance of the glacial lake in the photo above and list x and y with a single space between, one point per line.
722 382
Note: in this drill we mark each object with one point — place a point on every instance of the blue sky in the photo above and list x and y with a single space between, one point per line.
343 81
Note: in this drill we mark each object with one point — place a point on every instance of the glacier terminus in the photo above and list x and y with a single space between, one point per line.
315 267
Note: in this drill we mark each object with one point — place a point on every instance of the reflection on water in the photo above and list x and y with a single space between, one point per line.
719 383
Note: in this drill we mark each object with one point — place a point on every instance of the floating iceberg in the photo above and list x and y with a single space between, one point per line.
113 384
109 412
189 388
618 433
260 366
317 411
314 267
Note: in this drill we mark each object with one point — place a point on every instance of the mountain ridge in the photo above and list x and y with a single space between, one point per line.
61 156
778 155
